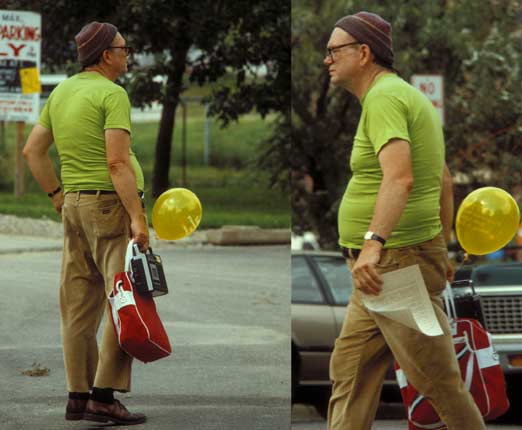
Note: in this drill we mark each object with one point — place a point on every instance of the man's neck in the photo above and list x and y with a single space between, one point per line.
361 87
102 71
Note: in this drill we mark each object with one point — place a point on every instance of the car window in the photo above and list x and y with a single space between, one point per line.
305 288
338 277
463 273
498 275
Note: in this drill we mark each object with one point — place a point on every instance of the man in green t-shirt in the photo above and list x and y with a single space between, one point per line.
88 118
397 211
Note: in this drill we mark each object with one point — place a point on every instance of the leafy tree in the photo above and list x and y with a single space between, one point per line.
230 35
242 37
475 45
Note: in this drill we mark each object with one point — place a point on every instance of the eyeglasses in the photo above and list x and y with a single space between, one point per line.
128 49
333 49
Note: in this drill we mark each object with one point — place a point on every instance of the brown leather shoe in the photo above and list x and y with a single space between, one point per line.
75 409
115 412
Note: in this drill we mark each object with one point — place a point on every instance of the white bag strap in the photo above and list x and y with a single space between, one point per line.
450 303
435 426
127 267
128 256
469 368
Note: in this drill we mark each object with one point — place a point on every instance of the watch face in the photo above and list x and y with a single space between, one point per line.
368 235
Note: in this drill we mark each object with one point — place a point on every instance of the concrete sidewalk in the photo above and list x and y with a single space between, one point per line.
11 244
33 235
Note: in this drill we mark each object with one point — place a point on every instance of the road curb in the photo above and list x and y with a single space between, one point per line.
226 236
31 249
234 236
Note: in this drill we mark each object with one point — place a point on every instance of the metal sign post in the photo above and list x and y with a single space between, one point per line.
19 163
184 144
206 137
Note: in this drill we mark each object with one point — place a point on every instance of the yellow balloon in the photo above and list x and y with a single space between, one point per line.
176 214
487 220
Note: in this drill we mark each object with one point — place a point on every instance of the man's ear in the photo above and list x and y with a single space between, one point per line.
366 54
106 56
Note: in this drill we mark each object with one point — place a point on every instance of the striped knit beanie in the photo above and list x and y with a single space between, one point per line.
92 40
372 30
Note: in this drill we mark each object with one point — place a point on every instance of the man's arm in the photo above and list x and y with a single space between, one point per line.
446 203
396 185
36 152
117 143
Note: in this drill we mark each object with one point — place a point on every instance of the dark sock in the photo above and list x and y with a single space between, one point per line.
104 395
79 396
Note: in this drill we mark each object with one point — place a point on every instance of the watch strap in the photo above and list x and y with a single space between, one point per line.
370 235
53 193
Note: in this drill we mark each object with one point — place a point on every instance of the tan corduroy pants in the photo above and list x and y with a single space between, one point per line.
368 343
96 233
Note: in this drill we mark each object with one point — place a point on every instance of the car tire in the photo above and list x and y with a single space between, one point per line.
295 373
320 402
514 413
515 397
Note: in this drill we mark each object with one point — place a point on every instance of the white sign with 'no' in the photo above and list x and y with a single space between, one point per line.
432 86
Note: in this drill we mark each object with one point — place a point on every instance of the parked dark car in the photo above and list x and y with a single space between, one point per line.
321 286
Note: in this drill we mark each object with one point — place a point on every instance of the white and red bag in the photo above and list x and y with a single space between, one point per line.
139 329
480 369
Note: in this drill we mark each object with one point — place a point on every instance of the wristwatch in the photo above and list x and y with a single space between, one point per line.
53 193
370 235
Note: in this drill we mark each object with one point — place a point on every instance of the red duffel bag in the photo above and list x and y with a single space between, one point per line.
139 329
480 369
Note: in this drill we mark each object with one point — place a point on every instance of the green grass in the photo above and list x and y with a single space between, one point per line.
31 205
231 189
234 146
232 205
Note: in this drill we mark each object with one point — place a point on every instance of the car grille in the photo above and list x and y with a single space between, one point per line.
503 314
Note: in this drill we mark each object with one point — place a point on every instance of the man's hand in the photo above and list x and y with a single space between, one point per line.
140 232
364 274
57 201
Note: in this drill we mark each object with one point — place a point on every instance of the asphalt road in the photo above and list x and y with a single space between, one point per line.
228 318
304 417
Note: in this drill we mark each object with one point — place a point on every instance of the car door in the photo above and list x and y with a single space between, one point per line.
338 280
313 322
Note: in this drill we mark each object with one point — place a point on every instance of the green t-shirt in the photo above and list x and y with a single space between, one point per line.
78 112
393 109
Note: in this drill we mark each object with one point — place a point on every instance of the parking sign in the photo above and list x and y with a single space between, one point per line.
433 87
20 40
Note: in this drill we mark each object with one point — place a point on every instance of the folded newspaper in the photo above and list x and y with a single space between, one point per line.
404 298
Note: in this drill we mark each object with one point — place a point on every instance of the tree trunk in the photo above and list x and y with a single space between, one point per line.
160 175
